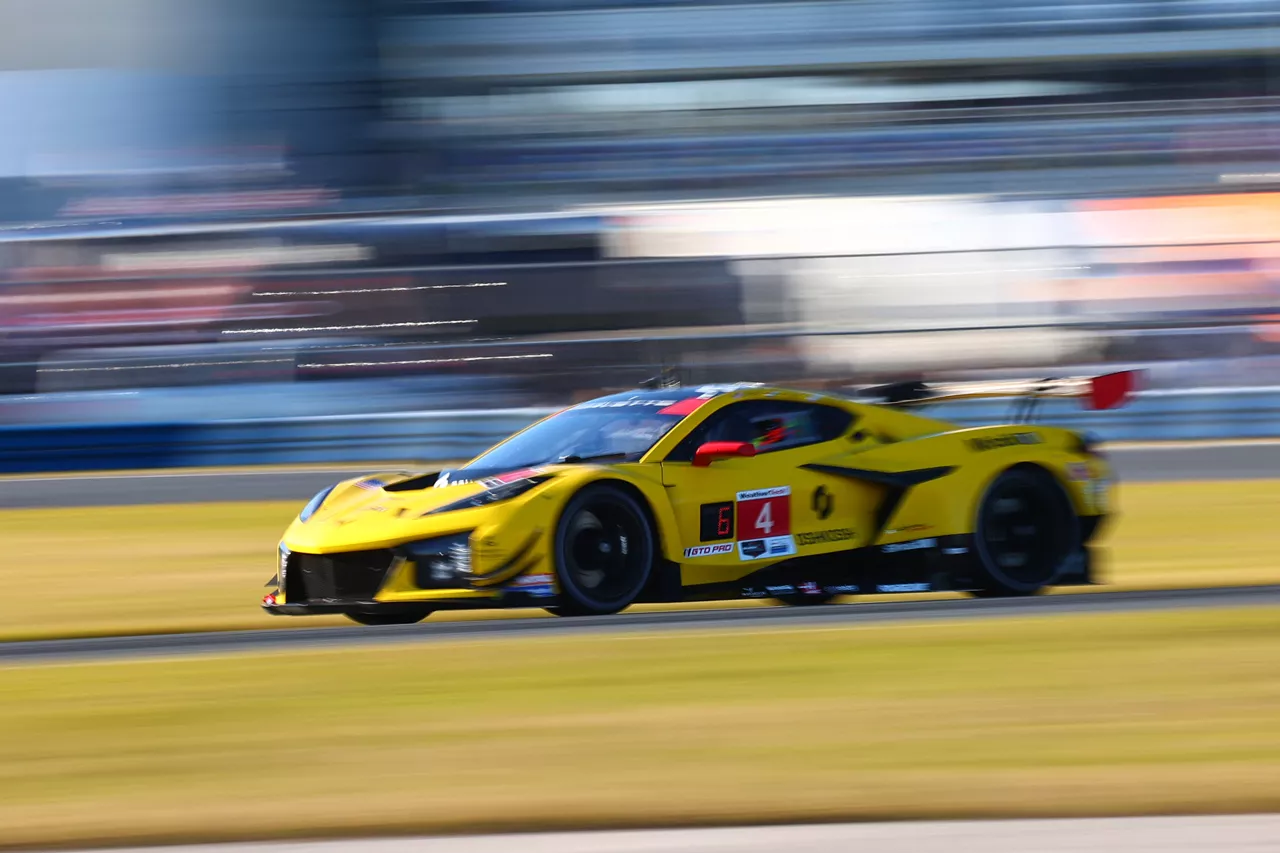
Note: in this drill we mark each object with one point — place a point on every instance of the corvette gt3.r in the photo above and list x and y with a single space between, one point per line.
706 493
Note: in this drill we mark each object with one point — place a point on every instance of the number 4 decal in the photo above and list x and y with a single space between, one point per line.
764 521
764 513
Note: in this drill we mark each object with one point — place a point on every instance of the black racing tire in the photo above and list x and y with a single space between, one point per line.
391 617
1025 532
801 599
604 551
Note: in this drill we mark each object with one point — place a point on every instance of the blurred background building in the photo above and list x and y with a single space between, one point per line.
456 203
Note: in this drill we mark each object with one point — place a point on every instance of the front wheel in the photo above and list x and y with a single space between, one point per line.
604 551
395 617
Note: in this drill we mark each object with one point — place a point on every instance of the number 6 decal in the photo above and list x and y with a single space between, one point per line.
716 522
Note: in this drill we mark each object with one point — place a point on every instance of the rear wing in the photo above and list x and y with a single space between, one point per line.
1108 391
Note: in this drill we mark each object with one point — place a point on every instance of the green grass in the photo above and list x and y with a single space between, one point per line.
114 570
1053 716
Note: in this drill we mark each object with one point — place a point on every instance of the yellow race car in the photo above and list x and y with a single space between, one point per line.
707 493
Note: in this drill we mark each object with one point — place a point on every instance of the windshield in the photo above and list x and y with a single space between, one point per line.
616 430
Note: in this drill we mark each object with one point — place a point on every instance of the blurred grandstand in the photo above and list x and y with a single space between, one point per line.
463 203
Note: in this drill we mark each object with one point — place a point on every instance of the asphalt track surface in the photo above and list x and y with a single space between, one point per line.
831 615
1142 463
1226 460
1229 834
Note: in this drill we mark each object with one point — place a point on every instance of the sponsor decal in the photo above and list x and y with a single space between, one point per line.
509 477
532 580
759 494
903 587
725 388
822 537
810 588
715 521
951 552
371 484
1078 471
753 592
781 590
537 585
1012 439
910 528
759 549
1097 491
916 545
269 600
765 514
843 589
822 503
450 478
709 550
628 403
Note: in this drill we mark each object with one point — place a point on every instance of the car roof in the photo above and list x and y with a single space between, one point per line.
708 391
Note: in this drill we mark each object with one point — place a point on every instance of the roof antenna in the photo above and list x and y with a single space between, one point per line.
668 378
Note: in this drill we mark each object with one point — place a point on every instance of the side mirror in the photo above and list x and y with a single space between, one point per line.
713 450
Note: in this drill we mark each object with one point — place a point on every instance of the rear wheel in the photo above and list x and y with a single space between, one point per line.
394 617
604 551
1025 533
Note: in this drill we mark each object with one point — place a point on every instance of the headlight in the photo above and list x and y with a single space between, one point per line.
441 562
283 569
504 492
310 509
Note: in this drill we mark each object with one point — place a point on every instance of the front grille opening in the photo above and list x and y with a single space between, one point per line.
353 576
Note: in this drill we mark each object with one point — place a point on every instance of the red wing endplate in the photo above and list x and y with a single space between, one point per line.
1113 389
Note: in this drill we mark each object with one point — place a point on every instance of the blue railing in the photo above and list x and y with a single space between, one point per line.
426 438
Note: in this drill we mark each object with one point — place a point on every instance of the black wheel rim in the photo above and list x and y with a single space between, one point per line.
1018 534
604 551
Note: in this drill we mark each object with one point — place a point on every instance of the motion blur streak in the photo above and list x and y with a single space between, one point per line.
645 623
348 328
378 289
430 360
169 366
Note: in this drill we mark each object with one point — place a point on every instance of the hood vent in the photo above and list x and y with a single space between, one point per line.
413 484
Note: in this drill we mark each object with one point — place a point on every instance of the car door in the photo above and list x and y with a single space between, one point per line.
741 514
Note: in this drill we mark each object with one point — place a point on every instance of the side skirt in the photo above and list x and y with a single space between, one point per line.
935 564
